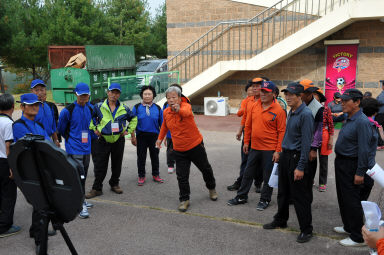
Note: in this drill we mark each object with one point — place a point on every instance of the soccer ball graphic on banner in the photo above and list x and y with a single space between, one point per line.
340 82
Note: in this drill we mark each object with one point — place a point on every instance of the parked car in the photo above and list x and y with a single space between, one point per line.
149 72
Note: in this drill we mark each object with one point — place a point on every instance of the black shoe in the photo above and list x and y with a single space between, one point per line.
274 225
258 188
234 187
237 201
262 205
303 238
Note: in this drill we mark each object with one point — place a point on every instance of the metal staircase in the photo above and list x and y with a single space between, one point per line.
242 40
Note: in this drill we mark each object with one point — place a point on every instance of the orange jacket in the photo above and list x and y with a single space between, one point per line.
380 246
265 128
185 134
243 105
247 108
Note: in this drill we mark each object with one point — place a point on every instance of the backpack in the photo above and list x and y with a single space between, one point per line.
25 124
158 107
70 109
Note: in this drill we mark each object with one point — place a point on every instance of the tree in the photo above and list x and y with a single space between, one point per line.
34 26
129 22
27 39
76 22
158 40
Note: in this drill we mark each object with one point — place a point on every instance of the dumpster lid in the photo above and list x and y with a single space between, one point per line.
110 57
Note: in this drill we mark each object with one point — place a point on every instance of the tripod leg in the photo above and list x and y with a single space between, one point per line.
66 238
44 222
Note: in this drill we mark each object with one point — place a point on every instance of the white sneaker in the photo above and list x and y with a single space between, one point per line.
349 242
171 170
88 205
84 213
340 230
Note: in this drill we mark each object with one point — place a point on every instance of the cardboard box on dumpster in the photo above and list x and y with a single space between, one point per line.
77 61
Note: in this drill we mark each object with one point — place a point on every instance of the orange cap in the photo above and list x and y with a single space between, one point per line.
308 84
257 79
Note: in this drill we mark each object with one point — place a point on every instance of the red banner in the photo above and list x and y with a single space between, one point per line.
340 69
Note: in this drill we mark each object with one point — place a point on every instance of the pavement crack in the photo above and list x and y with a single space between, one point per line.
222 219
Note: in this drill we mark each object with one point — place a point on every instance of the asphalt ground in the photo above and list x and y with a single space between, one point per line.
145 220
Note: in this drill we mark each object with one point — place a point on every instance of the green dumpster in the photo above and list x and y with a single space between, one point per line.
103 62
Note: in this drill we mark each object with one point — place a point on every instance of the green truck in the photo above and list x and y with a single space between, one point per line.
102 62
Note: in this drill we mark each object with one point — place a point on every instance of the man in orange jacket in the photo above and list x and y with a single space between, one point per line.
246 105
188 146
264 129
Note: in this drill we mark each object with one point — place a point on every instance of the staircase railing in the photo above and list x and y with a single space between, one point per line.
241 40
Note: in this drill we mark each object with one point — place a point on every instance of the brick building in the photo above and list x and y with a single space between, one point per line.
189 20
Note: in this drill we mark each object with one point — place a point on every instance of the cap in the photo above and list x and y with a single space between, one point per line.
368 94
308 85
294 88
28 98
82 89
36 82
114 86
268 86
337 95
351 94
256 80
321 95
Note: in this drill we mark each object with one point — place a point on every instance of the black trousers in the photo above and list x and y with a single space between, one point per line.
170 157
197 156
258 177
299 191
100 156
350 195
323 169
8 195
147 141
259 163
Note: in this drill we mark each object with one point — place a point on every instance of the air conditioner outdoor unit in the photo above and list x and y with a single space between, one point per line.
216 106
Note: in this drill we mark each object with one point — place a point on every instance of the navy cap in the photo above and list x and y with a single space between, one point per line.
268 86
351 94
29 98
368 94
337 95
82 89
114 86
36 82
294 88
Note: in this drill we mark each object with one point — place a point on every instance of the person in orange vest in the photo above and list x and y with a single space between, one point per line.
188 145
246 105
264 129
